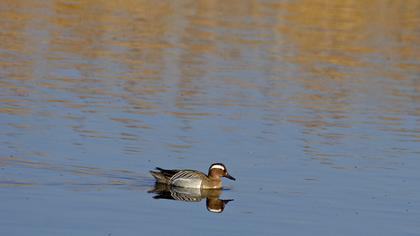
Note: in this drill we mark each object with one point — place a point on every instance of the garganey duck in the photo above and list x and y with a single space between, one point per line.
193 178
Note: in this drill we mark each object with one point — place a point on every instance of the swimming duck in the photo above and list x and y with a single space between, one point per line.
193 178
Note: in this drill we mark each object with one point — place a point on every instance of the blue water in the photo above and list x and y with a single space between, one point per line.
313 108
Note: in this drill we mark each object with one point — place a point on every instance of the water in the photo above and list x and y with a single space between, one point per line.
313 106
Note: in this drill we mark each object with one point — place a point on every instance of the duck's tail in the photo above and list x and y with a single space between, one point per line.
160 177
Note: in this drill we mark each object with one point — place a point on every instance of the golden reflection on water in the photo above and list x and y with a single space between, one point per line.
181 58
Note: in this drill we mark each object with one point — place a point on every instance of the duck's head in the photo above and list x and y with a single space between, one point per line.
218 170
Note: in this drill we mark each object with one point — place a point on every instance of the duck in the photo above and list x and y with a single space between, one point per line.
187 178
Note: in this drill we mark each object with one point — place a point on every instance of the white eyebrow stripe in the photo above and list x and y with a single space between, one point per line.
217 167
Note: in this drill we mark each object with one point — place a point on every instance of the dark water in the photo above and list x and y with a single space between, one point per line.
312 105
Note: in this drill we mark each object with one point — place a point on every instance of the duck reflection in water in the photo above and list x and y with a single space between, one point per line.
213 202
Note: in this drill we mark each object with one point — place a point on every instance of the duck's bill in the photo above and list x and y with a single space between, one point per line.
230 177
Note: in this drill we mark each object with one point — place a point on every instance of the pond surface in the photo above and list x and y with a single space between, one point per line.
314 107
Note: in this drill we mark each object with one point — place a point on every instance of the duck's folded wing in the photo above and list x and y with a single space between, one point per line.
167 173
188 174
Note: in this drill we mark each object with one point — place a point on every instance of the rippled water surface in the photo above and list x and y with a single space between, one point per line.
312 105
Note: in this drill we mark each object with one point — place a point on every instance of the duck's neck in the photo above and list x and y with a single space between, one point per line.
215 174
214 183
